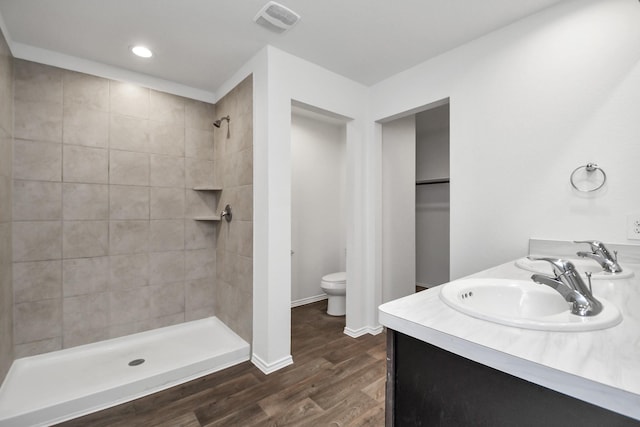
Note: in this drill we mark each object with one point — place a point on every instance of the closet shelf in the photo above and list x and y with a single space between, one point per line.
432 181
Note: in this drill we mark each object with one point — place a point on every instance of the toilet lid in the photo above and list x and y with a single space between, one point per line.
335 277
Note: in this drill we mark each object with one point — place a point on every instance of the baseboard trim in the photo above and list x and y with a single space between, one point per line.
355 333
309 300
268 368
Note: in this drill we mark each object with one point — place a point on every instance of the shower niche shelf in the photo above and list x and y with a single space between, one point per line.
207 218
207 188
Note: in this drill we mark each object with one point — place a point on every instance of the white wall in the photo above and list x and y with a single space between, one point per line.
398 208
529 104
318 227
279 79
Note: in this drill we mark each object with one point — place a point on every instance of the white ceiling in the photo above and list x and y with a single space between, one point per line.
201 43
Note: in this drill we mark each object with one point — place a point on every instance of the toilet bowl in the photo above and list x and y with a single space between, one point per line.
335 286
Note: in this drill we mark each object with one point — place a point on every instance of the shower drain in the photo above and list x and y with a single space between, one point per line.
136 362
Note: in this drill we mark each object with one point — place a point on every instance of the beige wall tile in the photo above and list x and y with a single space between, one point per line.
37 320
199 143
6 157
242 164
129 100
166 235
6 93
129 133
224 266
38 347
129 271
6 154
128 237
200 264
38 280
144 278
37 240
36 200
198 172
240 239
162 321
199 313
129 305
167 203
166 267
243 274
85 126
5 198
128 328
200 203
37 82
128 202
41 121
199 115
243 203
85 164
245 136
84 336
85 313
85 239
166 171
199 294
85 276
166 139
199 234
128 168
36 160
85 201
166 108
88 91
166 299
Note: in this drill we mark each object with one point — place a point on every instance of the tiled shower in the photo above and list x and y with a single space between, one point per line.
104 241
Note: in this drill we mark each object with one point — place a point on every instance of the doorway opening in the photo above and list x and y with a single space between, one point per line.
432 197
415 200
318 202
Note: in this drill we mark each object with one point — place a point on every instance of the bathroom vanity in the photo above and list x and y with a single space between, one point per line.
446 368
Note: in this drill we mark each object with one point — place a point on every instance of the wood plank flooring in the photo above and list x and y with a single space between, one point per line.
335 381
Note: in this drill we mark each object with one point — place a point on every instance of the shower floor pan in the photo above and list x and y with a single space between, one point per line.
58 386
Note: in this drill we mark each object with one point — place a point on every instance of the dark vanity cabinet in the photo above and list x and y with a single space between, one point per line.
428 386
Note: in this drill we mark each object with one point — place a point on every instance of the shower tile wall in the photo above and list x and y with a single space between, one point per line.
103 240
234 170
6 149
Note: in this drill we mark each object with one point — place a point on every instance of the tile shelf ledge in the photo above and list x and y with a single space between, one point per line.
207 188
207 218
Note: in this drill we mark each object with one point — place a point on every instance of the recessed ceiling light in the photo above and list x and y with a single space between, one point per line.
142 51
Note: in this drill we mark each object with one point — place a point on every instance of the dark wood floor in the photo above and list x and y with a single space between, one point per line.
335 381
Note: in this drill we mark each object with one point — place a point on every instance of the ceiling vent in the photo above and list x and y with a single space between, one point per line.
276 17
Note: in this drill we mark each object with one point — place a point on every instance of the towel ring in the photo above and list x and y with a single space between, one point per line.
589 167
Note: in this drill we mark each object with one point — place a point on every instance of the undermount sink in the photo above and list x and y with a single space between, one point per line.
582 265
523 304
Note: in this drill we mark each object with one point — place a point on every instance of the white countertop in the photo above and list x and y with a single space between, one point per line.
600 367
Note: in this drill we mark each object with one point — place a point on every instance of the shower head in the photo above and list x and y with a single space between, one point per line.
218 122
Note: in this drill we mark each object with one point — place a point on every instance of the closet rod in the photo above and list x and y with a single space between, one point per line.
433 181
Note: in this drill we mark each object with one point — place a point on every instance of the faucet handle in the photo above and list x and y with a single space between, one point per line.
596 245
560 266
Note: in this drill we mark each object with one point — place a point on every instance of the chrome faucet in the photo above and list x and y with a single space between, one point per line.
601 255
569 284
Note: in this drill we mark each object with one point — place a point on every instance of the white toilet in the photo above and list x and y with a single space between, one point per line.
335 286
